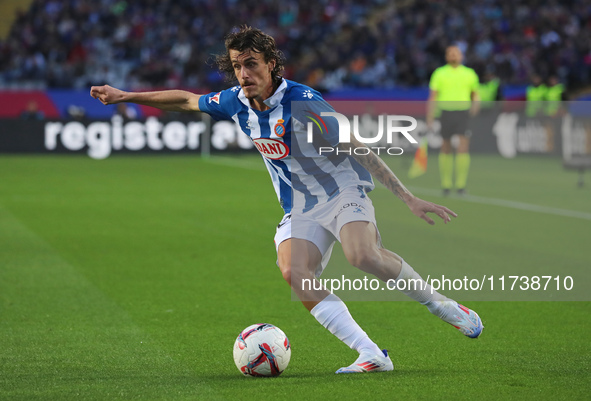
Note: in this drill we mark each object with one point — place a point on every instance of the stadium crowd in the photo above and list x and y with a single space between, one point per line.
328 44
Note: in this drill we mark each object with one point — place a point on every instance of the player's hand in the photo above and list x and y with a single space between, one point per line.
107 94
420 208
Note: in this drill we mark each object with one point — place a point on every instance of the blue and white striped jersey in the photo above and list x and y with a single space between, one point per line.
301 176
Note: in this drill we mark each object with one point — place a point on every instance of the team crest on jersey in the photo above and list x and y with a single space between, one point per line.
271 148
215 98
279 128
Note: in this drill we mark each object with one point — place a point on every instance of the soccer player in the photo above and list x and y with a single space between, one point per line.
311 191
454 90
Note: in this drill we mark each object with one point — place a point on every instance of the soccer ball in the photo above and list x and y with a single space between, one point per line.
262 350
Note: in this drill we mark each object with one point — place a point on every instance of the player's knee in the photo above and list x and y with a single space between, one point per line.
286 273
464 145
364 259
297 272
463 148
285 267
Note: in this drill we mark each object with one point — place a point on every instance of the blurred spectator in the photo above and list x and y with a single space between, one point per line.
76 112
126 111
32 112
330 44
554 96
489 90
535 96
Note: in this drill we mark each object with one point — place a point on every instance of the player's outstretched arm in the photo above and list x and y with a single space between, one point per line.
170 100
475 107
380 170
431 108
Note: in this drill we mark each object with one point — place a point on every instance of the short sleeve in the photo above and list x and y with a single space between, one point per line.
329 125
309 112
216 105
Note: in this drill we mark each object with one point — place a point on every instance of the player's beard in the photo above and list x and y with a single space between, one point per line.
253 91
250 90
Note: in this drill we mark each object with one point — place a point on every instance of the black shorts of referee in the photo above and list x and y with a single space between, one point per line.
454 122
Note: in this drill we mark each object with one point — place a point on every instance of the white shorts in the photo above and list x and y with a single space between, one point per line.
322 225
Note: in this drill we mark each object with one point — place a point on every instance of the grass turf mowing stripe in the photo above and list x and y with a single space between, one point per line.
63 338
157 233
258 166
249 163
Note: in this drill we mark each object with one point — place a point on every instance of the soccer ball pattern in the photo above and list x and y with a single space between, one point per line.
262 350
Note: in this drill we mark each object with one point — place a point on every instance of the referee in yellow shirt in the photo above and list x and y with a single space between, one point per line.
454 91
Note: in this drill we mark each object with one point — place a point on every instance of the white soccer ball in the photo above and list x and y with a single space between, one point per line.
262 350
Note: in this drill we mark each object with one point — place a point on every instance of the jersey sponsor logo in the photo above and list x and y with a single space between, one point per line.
279 128
215 98
271 148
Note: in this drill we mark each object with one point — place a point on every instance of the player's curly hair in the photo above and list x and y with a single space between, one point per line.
246 38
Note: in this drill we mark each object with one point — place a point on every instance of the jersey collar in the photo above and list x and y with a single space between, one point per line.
273 100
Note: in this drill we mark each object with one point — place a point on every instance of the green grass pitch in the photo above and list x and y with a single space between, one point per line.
130 278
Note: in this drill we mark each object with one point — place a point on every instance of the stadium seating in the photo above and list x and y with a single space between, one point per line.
329 45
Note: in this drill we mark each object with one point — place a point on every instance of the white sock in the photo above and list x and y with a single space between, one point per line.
418 289
333 314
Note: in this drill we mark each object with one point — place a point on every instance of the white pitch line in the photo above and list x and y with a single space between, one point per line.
259 166
508 203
